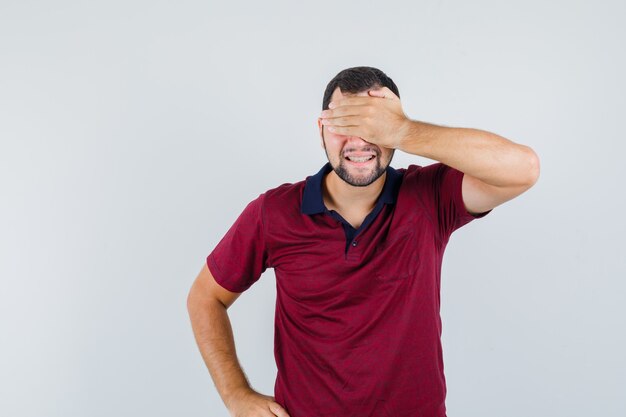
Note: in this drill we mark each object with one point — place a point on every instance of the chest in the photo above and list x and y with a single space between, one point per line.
312 264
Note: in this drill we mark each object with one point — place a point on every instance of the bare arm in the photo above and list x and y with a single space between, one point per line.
207 304
496 169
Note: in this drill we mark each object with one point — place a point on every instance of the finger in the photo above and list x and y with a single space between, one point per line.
278 410
343 111
345 130
342 121
377 93
389 94
350 101
383 92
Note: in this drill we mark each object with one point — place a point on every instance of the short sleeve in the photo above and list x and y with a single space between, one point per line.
240 257
446 183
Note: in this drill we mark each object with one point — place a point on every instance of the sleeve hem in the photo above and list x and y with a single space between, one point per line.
213 268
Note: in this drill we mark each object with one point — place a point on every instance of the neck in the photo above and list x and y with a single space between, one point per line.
340 195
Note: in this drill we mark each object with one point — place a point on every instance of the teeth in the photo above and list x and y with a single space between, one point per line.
360 158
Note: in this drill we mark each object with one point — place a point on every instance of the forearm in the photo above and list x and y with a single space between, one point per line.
214 336
489 157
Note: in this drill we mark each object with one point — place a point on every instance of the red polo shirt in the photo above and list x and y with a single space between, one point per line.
357 324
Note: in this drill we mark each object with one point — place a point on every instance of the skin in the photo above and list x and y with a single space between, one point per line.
350 189
207 304
495 170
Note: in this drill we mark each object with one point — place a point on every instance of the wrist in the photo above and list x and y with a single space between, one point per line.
420 139
408 136
236 395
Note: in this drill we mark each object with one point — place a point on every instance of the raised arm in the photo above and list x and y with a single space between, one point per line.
495 169
207 303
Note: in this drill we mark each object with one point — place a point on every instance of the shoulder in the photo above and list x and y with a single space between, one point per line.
410 174
426 174
285 195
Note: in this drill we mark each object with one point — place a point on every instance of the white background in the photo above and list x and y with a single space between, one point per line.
133 133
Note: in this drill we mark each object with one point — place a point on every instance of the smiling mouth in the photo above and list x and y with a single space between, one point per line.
360 159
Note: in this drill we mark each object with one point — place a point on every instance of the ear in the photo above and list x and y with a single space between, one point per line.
321 127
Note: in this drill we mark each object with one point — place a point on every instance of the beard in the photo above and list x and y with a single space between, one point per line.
364 179
361 180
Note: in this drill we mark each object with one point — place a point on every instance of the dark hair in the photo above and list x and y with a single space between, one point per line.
357 79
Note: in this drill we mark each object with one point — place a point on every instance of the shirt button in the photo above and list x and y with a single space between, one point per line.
354 243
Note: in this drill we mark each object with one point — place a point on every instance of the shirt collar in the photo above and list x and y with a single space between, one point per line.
313 203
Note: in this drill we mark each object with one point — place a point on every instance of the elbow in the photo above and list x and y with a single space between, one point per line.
532 168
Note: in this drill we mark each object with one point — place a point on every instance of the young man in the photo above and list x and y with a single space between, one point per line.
357 251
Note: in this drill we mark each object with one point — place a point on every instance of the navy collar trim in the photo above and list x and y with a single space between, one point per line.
313 203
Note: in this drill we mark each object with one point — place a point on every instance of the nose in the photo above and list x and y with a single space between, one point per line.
356 140
358 144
